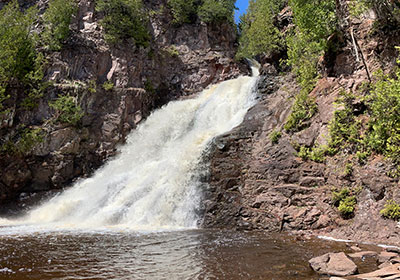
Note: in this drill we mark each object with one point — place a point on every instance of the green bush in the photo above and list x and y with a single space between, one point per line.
183 11
124 20
172 51
17 53
56 20
67 110
275 136
316 154
345 201
314 22
384 124
29 139
217 11
108 85
258 34
347 206
391 210
304 108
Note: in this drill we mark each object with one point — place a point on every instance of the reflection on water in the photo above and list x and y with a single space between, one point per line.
198 254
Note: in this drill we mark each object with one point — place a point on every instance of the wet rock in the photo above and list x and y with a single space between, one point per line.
363 254
389 272
335 264
386 256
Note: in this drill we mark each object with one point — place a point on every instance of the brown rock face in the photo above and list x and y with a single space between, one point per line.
255 183
335 264
143 79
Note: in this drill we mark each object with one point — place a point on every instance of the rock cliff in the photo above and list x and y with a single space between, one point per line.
257 183
116 86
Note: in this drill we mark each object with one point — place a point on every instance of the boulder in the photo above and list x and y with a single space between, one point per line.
386 256
335 264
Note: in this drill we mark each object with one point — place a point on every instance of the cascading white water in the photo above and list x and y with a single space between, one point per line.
152 184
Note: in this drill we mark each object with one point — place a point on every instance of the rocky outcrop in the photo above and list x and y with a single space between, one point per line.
180 60
255 183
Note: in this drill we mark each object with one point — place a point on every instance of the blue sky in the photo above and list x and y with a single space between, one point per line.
242 5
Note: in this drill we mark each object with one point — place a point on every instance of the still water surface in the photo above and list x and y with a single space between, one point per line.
196 254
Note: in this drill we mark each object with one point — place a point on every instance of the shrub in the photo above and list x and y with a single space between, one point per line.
347 206
303 109
56 20
315 20
17 55
275 136
344 201
124 20
67 109
217 11
183 11
384 125
29 139
172 51
108 85
258 34
316 154
391 210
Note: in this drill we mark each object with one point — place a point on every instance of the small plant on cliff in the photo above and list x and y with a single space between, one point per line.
391 210
316 154
108 85
56 20
124 20
345 201
172 51
67 109
29 139
344 128
275 136
304 108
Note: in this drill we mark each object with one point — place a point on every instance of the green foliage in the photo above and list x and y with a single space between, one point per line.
124 20
56 20
387 11
108 85
67 109
315 21
345 201
316 154
36 84
217 11
384 103
29 139
347 206
391 210
149 87
183 11
17 55
258 32
303 109
172 51
348 169
92 86
275 136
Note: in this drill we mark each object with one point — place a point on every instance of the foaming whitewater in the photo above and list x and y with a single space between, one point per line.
154 182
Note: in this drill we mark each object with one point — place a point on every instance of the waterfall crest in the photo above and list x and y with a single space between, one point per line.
153 183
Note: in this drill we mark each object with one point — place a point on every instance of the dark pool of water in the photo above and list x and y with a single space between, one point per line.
197 254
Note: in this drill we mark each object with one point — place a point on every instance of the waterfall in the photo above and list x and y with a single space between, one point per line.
153 183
